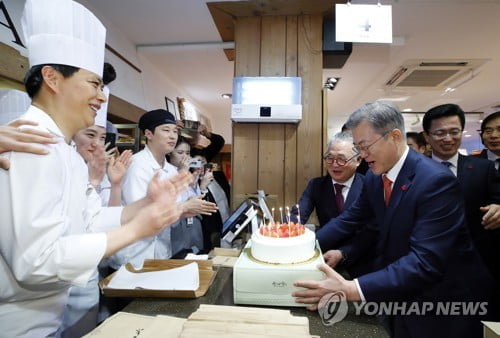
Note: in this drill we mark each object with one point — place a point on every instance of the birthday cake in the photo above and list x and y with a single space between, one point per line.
283 243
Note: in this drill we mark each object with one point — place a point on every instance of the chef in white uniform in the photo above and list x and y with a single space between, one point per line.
53 233
80 313
159 127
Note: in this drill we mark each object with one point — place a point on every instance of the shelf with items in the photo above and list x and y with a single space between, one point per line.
129 137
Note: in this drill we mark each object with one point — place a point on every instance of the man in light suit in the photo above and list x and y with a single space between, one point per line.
320 194
479 183
424 249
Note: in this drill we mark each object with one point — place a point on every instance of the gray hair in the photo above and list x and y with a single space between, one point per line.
382 116
343 136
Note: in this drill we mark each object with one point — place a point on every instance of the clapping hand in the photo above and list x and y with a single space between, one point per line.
198 206
118 166
162 209
97 165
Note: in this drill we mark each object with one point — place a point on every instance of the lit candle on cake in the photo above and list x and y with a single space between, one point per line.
272 210
281 215
298 212
288 215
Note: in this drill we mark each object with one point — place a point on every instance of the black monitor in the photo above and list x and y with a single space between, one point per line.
239 220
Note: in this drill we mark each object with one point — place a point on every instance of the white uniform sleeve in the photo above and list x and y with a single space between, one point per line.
134 187
40 241
99 218
135 183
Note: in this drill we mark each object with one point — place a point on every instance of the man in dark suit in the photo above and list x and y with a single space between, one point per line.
490 136
479 183
218 192
321 192
424 249
329 195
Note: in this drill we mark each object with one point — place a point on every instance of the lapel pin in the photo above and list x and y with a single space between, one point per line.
404 187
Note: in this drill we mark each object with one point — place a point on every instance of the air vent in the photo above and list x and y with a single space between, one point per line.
432 74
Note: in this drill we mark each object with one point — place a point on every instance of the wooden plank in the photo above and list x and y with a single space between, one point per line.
309 132
291 195
272 136
14 66
244 157
229 54
271 160
123 109
273 46
244 161
223 20
291 45
290 173
247 46
270 8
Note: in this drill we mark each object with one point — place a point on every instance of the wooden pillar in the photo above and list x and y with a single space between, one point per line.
279 158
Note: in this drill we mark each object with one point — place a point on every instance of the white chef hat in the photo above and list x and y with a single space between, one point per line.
102 113
13 103
63 32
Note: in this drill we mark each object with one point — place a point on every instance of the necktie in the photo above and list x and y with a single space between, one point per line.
387 189
339 198
446 164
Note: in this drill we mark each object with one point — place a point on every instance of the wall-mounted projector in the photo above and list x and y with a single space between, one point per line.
267 99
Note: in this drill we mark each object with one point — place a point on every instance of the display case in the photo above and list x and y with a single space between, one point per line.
129 137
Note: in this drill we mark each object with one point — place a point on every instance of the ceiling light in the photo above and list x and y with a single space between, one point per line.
407 110
227 96
394 99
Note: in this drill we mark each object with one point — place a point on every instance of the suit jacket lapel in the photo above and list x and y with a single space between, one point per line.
329 192
461 165
399 189
353 191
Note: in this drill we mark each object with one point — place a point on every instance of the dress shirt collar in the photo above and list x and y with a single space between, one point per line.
156 166
491 155
44 121
393 173
453 160
347 184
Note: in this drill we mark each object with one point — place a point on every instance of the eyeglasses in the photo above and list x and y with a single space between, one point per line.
489 130
440 134
358 149
340 161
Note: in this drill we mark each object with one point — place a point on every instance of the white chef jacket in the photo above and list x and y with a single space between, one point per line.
49 219
143 167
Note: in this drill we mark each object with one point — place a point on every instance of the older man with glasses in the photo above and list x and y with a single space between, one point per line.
329 195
